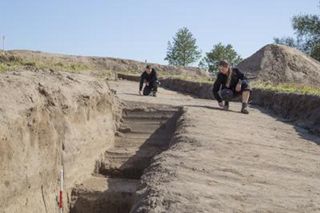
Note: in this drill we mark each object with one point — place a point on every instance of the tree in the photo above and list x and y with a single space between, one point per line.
183 50
289 41
307 29
315 52
220 52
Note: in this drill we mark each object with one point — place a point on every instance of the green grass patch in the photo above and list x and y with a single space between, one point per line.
198 79
288 88
4 67
162 75
10 63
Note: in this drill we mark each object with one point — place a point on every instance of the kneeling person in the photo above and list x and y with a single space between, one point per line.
230 83
150 79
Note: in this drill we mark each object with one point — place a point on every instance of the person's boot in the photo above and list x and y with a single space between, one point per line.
244 108
226 105
154 94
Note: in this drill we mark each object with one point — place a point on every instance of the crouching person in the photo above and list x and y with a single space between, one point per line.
229 84
150 79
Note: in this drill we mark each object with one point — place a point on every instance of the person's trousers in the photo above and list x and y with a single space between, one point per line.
152 87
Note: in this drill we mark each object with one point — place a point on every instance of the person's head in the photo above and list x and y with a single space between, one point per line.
148 69
223 67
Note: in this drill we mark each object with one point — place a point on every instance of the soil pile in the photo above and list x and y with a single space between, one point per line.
282 64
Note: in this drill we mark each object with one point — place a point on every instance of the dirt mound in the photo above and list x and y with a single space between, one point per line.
282 64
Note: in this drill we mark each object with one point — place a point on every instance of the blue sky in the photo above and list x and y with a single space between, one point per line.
140 29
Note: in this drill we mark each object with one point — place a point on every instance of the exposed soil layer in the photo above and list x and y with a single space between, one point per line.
303 110
48 121
143 134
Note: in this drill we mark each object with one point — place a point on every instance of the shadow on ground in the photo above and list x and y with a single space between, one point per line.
303 131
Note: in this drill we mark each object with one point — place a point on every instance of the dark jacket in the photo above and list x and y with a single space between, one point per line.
221 81
150 78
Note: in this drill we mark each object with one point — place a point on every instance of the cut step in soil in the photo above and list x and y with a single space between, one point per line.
144 134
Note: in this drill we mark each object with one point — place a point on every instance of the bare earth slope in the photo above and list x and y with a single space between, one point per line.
282 64
229 162
99 66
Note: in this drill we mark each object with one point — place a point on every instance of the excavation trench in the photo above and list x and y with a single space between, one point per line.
143 134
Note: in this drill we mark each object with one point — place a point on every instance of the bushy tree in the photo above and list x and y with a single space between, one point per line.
183 49
220 52
307 30
315 51
289 41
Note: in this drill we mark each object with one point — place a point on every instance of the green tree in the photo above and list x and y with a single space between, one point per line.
183 50
307 29
315 51
220 52
289 41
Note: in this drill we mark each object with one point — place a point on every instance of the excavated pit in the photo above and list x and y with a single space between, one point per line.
143 134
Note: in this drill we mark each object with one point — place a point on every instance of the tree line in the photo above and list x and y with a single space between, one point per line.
183 51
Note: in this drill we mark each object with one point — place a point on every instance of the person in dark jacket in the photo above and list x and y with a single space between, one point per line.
150 79
231 82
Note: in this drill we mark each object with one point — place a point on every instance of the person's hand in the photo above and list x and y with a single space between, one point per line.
140 92
238 87
220 104
147 83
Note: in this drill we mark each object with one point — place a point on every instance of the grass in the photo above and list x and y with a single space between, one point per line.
288 88
8 67
198 79
10 62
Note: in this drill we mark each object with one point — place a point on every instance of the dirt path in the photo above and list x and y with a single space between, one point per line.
229 162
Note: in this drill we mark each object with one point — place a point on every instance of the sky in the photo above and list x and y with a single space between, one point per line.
141 29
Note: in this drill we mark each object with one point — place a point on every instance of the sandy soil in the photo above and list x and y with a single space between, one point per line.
228 162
